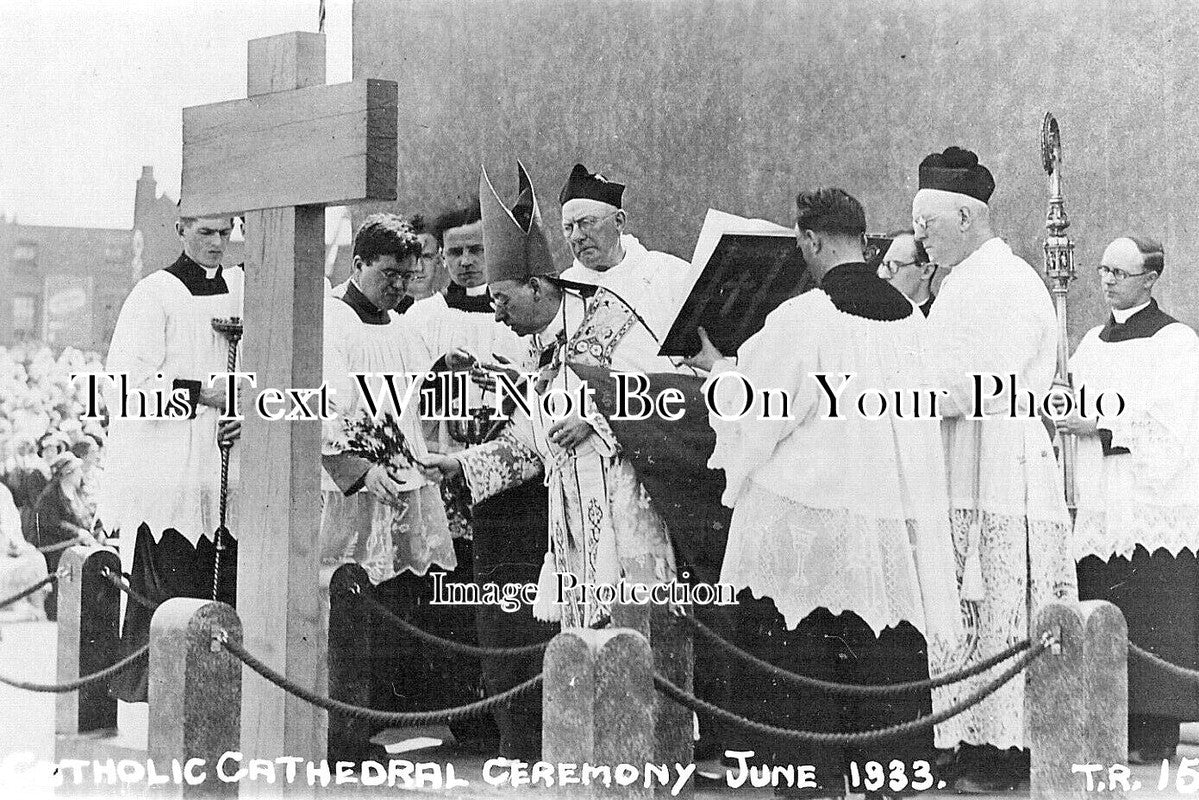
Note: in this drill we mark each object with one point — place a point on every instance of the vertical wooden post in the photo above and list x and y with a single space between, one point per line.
280 461
88 610
1076 700
195 693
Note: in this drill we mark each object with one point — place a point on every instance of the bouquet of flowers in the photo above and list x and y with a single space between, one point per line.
380 441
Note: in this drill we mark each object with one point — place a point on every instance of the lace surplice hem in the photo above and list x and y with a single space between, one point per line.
805 558
1172 529
387 540
1025 564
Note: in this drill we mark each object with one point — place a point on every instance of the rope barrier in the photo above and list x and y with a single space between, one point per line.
21 595
1159 662
449 644
116 581
54 548
860 739
406 718
851 689
78 683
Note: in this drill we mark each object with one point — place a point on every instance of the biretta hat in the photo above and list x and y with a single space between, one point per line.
584 185
957 170
514 242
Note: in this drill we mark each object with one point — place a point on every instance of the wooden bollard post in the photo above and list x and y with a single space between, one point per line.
88 640
1076 702
349 660
670 639
195 692
598 700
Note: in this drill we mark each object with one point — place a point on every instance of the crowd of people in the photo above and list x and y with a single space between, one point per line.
50 457
863 548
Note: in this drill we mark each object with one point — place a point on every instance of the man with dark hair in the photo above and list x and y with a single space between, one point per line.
431 277
1136 533
166 507
993 316
389 519
839 542
905 266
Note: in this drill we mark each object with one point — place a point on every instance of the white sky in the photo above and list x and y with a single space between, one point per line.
94 89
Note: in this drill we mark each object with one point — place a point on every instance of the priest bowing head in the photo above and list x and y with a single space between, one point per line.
520 269
593 218
1128 271
386 249
950 213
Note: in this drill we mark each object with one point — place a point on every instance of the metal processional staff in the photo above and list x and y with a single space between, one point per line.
1059 268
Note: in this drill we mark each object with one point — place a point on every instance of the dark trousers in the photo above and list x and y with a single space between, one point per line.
163 570
838 648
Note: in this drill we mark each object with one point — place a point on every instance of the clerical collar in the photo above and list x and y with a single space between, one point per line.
475 300
857 289
1122 314
200 280
1139 323
367 311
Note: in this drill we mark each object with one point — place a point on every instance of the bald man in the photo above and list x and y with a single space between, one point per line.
993 316
1136 477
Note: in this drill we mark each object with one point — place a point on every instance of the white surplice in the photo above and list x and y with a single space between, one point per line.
602 526
993 315
845 514
1150 495
655 285
385 540
166 472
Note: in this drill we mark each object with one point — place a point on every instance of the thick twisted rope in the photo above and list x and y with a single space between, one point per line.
851 689
54 548
449 644
116 580
1161 663
78 683
863 738
21 595
406 718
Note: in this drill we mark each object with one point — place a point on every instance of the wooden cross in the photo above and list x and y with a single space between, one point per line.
294 146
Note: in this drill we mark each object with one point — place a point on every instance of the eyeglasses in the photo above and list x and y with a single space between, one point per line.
430 258
585 225
920 223
893 267
1117 273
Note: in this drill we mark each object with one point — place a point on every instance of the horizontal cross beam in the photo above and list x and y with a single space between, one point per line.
320 145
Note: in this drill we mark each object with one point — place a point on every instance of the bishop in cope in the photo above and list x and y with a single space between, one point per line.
602 527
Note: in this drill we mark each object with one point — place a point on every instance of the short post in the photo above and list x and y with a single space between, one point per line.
1076 702
598 700
195 693
672 644
89 608
349 660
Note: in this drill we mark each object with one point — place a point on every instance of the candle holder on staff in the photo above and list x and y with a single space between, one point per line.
231 329
1059 268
